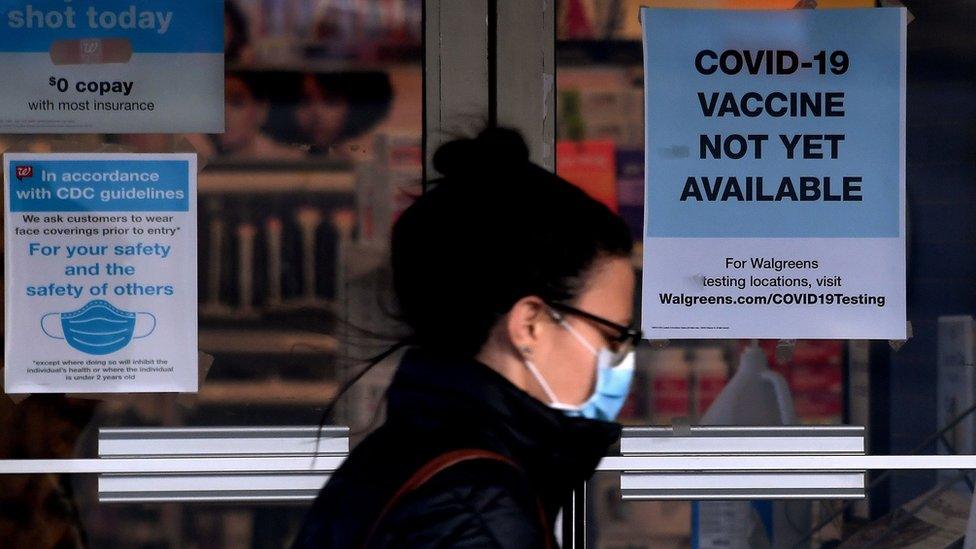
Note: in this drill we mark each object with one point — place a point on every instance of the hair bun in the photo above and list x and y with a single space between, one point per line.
492 151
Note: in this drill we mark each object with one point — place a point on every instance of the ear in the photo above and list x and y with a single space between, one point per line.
527 320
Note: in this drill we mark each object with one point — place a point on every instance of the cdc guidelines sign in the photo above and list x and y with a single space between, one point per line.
775 174
100 273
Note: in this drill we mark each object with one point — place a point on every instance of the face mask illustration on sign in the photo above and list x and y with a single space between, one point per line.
98 328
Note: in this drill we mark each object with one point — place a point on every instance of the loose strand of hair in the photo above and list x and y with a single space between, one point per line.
346 385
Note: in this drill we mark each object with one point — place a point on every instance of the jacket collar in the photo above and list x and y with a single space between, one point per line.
441 394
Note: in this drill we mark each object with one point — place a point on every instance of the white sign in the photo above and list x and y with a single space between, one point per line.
100 271
775 174
111 66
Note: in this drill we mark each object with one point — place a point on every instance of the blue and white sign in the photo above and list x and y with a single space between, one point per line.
100 271
111 66
775 174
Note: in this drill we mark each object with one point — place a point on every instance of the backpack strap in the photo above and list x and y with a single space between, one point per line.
437 465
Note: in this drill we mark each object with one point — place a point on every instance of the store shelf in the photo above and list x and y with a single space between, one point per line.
254 180
241 341
326 65
267 392
599 52
308 164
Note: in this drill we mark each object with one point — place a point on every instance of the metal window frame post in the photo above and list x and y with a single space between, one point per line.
492 63
486 63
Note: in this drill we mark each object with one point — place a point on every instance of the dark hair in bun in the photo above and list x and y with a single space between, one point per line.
496 228
492 149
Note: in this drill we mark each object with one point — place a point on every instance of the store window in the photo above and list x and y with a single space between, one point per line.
900 391
323 110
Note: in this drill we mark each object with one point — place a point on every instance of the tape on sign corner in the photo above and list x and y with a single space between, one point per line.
91 51
16 398
898 4
784 350
195 144
897 344
204 362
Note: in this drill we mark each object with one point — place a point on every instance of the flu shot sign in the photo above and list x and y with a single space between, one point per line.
111 66
775 174
100 273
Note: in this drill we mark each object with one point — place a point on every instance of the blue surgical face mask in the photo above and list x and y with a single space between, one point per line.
98 328
613 376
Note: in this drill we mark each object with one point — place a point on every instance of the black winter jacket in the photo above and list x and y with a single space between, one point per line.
435 405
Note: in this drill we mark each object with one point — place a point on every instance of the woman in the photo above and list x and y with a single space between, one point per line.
518 290
338 107
246 112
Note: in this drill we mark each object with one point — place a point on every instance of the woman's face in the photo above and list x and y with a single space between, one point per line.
244 114
321 115
565 363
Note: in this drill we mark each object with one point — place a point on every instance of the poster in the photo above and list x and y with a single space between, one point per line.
775 174
100 273
598 18
590 165
112 66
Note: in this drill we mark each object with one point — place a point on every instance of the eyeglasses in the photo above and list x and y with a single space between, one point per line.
624 341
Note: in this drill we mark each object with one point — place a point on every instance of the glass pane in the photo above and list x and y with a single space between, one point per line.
63 511
904 393
296 198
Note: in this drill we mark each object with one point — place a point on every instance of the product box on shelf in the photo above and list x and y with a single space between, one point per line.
630 189
591 166
670 386
710 372
388 185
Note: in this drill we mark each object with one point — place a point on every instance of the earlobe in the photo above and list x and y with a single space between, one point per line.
523 323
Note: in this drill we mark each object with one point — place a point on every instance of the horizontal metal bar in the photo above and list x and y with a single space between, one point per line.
222 487
243 496
752 494
725 440
221 447
775 463
283 464
853 480
748 431
742 485
742 445
226 441
309 495
210 465
212 432
211 483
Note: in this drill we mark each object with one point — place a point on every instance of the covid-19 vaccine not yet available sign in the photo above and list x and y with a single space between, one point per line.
111 66
775 174
100 273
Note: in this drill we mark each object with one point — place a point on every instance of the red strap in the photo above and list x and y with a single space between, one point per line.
437 465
